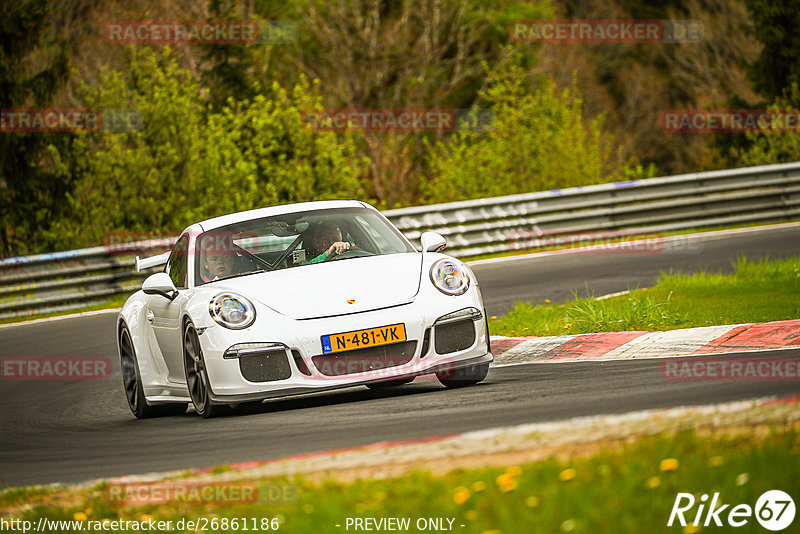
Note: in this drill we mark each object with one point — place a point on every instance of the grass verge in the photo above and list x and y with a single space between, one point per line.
755 292
627 487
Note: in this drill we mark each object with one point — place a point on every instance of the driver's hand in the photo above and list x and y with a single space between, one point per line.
337 248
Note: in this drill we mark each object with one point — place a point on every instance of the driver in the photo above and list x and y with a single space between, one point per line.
219 258
327 238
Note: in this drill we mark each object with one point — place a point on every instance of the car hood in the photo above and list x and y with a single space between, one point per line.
326 289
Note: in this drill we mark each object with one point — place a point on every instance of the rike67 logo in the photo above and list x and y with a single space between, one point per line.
774 510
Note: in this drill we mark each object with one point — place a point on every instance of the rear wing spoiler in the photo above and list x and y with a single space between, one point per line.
152 261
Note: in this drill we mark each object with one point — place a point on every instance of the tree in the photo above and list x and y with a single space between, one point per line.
777 67
230 65
774 145
775 75
412 54
33 173
537 140
188 162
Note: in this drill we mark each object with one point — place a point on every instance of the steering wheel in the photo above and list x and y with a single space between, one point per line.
350 253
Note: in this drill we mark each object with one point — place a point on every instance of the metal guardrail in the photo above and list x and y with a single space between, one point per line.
76 278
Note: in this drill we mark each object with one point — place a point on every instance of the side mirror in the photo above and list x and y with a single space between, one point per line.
160 284
432 242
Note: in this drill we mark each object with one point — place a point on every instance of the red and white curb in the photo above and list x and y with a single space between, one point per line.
642 344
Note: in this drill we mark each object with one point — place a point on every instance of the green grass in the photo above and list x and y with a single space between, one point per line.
628 488
755 292
11 496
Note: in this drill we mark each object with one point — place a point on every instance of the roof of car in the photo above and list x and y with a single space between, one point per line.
224 220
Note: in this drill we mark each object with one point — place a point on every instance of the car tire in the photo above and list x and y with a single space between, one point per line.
132 384
466 376
196 375
390 383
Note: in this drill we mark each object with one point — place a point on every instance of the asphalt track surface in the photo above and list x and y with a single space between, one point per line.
77 431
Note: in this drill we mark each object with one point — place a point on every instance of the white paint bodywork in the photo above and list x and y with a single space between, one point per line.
295 307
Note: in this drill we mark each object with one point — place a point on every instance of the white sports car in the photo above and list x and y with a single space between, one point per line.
297 299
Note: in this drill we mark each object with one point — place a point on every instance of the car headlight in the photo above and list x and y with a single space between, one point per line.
232 311
449 277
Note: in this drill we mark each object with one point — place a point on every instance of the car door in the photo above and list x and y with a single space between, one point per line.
163 314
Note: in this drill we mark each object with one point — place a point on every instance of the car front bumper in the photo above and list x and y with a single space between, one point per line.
300 341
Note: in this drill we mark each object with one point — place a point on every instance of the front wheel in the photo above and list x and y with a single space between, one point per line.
466 376
132 383
197 376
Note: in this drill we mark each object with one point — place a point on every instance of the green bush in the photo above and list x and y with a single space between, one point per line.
537 140
772 146
188 163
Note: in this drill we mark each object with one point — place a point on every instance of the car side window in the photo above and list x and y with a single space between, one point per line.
178 264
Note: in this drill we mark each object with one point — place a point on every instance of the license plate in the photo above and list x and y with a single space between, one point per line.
359 339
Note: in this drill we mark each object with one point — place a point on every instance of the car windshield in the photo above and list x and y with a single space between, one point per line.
294 240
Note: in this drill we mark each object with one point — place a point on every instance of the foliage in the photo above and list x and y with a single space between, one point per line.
414 54
777 145
188 162
59 190
775 25
631 83
775 75
230 66
536 139
33 180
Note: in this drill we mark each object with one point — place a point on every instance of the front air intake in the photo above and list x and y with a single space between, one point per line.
454 336
266 366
